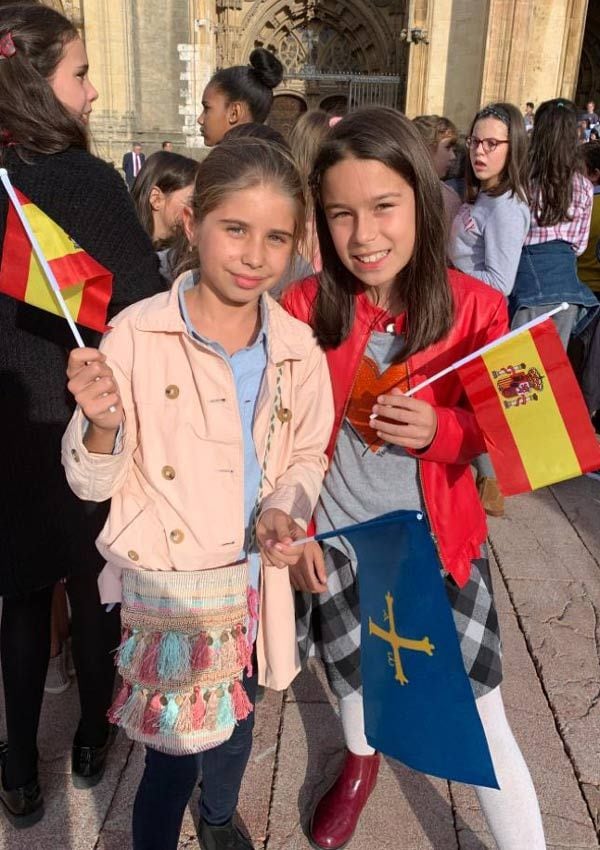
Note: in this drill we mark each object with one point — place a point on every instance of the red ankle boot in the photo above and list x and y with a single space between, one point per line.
337 812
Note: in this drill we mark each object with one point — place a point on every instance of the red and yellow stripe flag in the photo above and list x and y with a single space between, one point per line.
531 411
85 284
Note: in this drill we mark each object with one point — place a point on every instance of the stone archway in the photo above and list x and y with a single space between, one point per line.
286 110
316 39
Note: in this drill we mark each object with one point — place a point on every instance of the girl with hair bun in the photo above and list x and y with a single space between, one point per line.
239 95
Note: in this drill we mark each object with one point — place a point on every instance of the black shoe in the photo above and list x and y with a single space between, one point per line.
23 806
88 763
227 837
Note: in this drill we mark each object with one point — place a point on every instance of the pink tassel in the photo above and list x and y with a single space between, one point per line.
242 706
132 713
184 722
210 717
244 656
151 721
123 695
202 656
148 674
198 709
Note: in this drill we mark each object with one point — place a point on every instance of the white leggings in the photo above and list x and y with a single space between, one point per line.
512 814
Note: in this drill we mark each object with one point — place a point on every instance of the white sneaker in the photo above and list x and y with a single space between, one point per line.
57 680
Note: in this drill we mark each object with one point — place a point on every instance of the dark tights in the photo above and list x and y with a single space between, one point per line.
25 651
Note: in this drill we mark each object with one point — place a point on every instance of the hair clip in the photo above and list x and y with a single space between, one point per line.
335 119
497 112
7 46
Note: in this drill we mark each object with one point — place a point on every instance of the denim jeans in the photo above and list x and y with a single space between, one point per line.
169 781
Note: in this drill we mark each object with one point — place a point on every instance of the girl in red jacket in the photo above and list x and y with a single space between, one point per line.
389 314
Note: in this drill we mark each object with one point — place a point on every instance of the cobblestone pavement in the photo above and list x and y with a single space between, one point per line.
547 580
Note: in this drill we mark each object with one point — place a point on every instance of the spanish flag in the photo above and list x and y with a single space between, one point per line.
85 284
531 411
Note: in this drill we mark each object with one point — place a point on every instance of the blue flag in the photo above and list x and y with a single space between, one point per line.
419 705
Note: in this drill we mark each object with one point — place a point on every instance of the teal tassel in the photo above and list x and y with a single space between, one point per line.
225 710
174 656
169 715
127 650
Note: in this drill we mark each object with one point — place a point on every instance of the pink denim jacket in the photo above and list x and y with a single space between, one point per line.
176 480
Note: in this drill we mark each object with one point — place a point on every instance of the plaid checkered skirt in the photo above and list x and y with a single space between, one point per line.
328 624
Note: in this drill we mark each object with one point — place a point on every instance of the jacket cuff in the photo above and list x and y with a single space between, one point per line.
457 439
90 476
292 501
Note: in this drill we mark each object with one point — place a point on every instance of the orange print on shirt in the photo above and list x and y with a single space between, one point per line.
369 384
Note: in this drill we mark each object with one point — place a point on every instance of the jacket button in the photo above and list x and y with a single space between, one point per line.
168 472
284 414
177 535
75 455
133 555
172 391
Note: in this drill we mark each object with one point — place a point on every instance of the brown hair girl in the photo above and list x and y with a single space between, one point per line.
513 177
421 288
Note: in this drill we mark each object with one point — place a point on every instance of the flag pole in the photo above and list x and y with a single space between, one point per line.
40 256
486 348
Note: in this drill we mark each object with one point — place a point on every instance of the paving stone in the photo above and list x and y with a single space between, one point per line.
406 810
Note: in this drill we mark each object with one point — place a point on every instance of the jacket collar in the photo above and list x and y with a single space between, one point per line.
164 316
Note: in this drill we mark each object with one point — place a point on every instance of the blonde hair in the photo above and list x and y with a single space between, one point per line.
306 137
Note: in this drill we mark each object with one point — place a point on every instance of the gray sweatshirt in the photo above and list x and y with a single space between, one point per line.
487 237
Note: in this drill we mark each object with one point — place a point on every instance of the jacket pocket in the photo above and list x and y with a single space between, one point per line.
134 533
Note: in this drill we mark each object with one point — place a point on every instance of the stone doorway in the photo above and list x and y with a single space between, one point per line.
286 110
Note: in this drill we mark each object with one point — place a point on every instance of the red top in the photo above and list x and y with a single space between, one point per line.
448 487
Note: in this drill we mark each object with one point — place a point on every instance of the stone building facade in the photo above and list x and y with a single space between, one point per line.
150 59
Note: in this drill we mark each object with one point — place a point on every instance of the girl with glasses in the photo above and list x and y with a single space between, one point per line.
488 233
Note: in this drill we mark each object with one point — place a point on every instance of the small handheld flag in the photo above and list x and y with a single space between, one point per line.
530 409
43 266
419 704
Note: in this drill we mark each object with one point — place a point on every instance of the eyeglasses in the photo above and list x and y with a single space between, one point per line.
488 145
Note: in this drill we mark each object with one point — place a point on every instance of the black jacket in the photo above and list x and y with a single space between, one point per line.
47 533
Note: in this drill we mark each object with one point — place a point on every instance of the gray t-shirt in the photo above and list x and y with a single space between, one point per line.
487 237
362 483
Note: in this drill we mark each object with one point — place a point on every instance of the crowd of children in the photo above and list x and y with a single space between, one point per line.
213 422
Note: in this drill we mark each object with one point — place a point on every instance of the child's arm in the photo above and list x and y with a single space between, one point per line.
297 489
100 439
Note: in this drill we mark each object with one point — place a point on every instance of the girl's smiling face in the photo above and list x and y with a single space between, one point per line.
70 82
370 210
245 243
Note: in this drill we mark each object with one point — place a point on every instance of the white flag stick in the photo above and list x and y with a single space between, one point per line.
39 254
486 348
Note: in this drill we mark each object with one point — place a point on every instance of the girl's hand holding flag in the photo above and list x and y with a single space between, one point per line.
275 533
404 421
93 384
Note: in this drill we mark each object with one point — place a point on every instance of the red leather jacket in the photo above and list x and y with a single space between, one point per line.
449 493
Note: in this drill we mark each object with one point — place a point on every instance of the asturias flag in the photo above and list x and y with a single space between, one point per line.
419 704
531 411
85 284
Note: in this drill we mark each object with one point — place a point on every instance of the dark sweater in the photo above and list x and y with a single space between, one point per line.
46 532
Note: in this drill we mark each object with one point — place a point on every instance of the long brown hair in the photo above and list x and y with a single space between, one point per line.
168 172
514 175
32 119
553 160
386 136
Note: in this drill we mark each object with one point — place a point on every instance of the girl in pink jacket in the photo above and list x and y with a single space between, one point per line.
205 417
